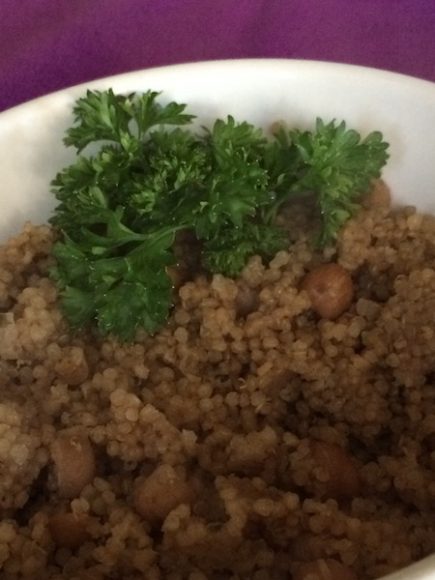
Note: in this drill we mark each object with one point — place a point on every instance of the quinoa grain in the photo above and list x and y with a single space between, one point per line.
257 436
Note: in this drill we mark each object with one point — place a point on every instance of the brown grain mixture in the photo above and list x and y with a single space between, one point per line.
249 439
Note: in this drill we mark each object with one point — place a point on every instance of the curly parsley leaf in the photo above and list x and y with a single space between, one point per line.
104 116
138 283
120 292
148 176
229 252
338 166
237 182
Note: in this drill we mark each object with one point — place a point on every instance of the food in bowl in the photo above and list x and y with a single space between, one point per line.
280 424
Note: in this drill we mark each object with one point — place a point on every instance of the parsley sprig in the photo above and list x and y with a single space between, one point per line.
146 177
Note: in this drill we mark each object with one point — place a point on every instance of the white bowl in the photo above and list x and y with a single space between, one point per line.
260 91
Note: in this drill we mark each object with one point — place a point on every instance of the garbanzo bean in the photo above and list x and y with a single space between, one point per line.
429 441
68 530
74 463
343 478
330 290
246 301
159 493
178 275
307 547
73 367
379 196
324 570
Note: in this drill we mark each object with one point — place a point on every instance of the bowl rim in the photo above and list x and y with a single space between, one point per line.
316 67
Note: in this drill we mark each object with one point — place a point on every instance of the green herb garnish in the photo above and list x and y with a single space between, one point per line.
147 178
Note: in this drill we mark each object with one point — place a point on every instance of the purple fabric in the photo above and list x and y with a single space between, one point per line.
46 45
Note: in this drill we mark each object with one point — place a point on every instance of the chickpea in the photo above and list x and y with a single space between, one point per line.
343 476
378 197
330 290
74 463
279 382
91 575
246 301
306 547
429 441
324 570
73 367
68 530
178 275
159 493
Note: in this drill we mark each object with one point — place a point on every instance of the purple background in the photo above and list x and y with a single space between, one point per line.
46 45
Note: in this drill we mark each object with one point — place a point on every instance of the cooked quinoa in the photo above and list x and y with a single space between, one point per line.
250 438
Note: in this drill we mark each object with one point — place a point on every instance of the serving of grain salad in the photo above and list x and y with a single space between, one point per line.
280 426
